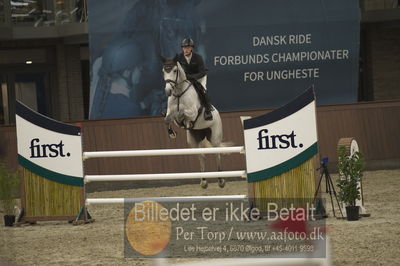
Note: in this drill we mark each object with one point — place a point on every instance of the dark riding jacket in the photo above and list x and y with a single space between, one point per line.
195 69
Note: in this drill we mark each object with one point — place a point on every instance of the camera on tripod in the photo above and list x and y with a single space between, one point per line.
323 163
329 186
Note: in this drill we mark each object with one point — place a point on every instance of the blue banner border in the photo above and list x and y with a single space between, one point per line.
304 99
44 121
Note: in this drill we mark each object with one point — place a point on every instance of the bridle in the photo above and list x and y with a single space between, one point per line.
174 83
168 68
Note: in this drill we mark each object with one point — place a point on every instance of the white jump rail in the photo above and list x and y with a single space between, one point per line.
164 176
165 199
167 176
162 152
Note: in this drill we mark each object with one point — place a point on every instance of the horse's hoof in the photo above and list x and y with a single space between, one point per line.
204 183
221 182
171 134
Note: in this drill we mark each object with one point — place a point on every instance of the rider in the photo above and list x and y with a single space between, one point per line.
195 70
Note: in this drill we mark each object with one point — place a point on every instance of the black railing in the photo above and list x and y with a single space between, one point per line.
42 13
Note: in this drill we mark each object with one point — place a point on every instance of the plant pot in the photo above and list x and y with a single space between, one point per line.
352 213
9 220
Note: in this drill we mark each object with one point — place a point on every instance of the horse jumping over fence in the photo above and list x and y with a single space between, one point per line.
185 109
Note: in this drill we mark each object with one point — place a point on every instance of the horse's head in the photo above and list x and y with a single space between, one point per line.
173 72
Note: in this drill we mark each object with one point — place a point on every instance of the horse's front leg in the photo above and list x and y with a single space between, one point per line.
188 124
189 115
168 120
171 132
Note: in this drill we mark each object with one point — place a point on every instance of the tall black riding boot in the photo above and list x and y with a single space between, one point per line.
207 106
204 100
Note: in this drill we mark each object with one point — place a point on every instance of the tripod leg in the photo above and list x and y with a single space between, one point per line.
329 184
317 190
327 187
332 189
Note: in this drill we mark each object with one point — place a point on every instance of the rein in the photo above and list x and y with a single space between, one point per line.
198 115
175 84
180 95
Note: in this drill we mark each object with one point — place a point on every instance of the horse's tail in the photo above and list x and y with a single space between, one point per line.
227 144
205 144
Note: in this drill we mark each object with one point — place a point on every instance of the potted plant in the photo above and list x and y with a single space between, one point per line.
350 173
9 183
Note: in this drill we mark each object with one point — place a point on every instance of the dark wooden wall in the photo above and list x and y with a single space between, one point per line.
8 146
375 126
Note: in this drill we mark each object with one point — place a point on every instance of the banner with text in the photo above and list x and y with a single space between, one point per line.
281 140
258 53
223 228
49 148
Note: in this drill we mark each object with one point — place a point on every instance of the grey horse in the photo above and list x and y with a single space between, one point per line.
185 109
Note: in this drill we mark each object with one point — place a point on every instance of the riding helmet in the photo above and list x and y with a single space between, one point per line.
187 42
